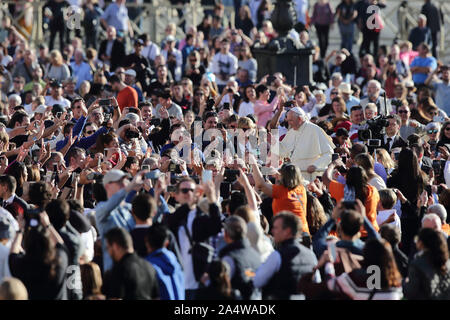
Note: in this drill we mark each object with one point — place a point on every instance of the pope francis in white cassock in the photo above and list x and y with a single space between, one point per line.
305 144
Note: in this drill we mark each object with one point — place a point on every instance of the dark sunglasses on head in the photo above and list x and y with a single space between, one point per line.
432 131
186 190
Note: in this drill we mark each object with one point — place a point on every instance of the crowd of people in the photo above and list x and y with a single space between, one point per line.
173 171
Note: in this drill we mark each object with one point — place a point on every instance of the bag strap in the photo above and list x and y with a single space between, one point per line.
188 234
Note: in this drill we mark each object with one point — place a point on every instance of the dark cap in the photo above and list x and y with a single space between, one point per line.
445 67
56 84
138 42
57 108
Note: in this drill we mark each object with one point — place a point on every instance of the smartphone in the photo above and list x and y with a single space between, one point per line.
332 250
58 115
145 167
104 102
99 162
154 174
207 175
374 143
440 119
133 110
344 159
335 156
36 125
171 188
396 156
428 189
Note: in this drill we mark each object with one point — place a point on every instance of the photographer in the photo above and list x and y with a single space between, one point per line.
392 138
167 105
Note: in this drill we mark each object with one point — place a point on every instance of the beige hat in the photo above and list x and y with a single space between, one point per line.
346 88
113 175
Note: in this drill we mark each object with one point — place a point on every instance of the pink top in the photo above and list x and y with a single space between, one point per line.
263 111
408 56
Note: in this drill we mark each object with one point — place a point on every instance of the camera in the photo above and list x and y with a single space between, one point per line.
155 122
210 104
174 167
231 175
129 134
373 128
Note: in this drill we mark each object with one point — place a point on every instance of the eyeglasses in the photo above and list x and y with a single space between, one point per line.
447 129
186 190
17 81
432 131
402 111
334 92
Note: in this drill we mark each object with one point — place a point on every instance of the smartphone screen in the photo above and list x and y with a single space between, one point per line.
207 175
332 250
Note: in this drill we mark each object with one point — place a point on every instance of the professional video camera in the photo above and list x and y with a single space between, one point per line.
373 128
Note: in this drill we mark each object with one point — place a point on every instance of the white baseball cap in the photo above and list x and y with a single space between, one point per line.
113 175
130 72
41 109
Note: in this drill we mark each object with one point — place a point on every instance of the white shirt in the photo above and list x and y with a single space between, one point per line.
82 72
245 109
226 63
151 51
383 215
50 101
185 246
377 182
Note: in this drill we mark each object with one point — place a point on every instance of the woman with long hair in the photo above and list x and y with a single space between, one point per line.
288 193
444 136
247 104
219 287
315 214
385 159
244 21
365 161
429 272
408 177
199 101
42 268
356 187
422 112
263 109
247 62
57 69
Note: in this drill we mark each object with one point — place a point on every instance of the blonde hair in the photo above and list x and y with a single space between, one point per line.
384 158
56 57
13 289
245 121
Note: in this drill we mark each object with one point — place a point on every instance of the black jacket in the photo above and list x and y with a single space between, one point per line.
132 278
117 54
203 226
398 143
425 282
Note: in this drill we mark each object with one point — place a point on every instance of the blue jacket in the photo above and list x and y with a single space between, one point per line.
170 275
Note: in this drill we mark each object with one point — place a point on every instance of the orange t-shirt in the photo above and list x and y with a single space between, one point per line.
337 192
127 97
446 228
290 200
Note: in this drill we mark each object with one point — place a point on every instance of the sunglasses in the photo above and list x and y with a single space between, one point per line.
199 94
90 132
334 92
17 81
447 129
402 111
186 190
432 131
